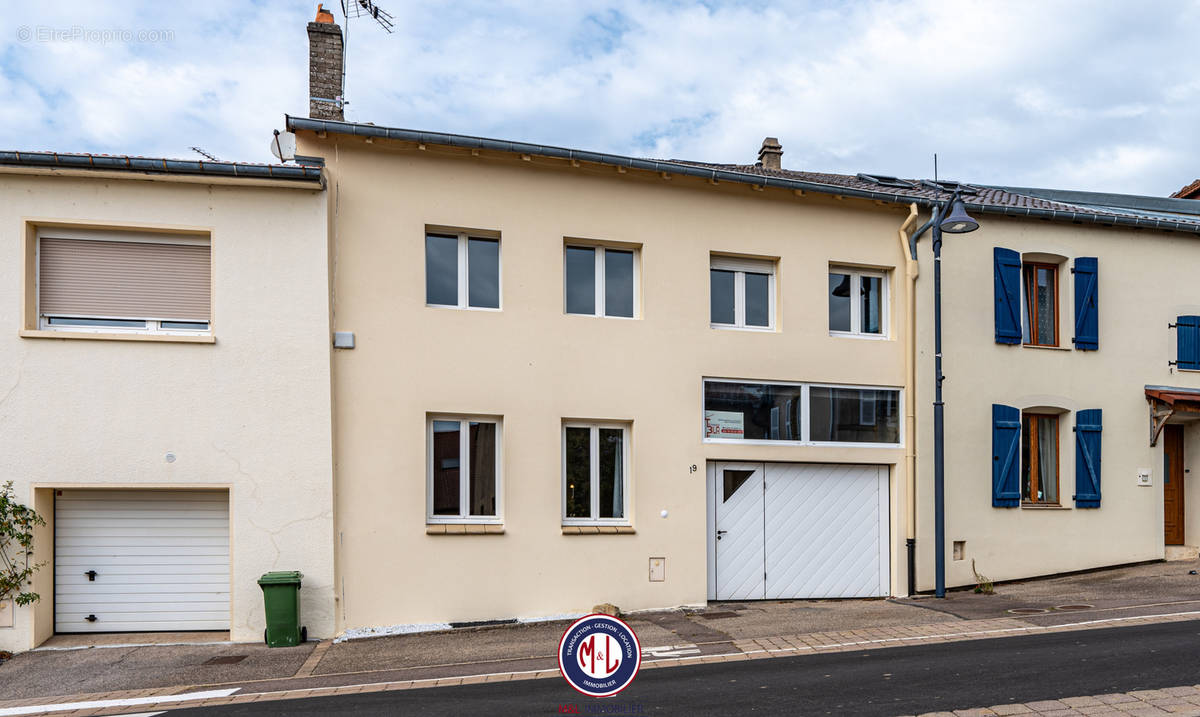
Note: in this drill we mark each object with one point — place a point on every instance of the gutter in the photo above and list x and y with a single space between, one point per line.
355 129
152 165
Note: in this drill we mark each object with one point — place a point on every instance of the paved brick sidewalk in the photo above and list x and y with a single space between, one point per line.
1168 701
1181 700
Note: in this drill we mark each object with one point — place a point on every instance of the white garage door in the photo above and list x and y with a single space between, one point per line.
129 560
794 530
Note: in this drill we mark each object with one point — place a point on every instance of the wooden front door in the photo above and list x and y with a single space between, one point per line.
1173 485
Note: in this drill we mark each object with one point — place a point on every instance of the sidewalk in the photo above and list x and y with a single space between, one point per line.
229 672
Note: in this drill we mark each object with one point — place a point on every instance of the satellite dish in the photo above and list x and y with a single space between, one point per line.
283 145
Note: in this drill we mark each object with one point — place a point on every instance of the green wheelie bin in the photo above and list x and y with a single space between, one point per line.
281 600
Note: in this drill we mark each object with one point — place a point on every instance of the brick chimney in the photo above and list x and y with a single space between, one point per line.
325 67
771 154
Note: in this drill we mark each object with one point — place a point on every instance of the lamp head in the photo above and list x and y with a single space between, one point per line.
958 221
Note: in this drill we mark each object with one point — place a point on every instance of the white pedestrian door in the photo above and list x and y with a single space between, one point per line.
796 530
739 537
141 560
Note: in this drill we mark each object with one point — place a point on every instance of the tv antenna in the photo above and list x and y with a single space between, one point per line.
352 9
367 8
204 154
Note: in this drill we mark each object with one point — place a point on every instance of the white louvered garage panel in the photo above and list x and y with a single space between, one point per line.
798 530
161 560
826 531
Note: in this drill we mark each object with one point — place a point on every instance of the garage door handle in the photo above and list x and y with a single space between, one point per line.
91 618
720 533
91 576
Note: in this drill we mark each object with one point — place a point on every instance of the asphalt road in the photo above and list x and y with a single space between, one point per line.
892 681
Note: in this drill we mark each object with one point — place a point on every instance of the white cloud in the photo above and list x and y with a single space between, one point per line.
1094 96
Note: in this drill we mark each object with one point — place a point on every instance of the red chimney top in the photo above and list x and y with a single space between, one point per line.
323 15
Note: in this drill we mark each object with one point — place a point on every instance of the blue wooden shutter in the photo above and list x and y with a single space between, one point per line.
1087 458
1006 456
1007 266
1087 315
1187 330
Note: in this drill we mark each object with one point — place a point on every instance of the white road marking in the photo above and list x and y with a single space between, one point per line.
128 702
670 651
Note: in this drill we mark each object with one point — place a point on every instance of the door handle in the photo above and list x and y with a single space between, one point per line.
720 533
91 576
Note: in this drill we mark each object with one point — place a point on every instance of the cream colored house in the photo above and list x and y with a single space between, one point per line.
165 390
1070 348
575 381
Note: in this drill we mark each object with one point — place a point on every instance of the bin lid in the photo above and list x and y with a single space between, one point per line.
281 577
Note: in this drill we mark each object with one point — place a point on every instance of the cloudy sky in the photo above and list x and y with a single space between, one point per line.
1056 93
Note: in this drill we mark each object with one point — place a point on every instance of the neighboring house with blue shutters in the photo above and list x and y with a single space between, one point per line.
1053 462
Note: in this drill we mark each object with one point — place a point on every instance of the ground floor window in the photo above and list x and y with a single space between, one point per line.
464 468
1039 458
595 473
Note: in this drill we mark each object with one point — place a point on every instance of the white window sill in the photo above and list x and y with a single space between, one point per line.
731 327
1037 506
462 308
1047 348
799 444
603 316
118 336
464 528
598 529
851 335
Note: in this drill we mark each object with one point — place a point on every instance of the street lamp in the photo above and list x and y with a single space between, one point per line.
956 221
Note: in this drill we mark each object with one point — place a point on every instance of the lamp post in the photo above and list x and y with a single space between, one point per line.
956 221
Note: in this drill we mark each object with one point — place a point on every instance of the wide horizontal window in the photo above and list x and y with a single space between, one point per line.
122 282
745 411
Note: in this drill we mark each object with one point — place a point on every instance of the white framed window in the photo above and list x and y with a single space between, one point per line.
801 413
463 469
595 469
858 303
123 282
600 281
742 293
462 271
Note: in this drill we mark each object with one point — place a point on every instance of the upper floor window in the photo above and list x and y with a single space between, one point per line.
599 281
1040 316
857 302
464 469
742 293
462 271
123 282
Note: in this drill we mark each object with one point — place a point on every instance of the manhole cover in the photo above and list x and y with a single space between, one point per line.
1028 611
1081 606
225 660
717 615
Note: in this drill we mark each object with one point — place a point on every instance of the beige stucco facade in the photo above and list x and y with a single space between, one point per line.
246 410
1145 282
535 366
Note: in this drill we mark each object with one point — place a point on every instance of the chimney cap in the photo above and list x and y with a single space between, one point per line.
323 15
770 154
